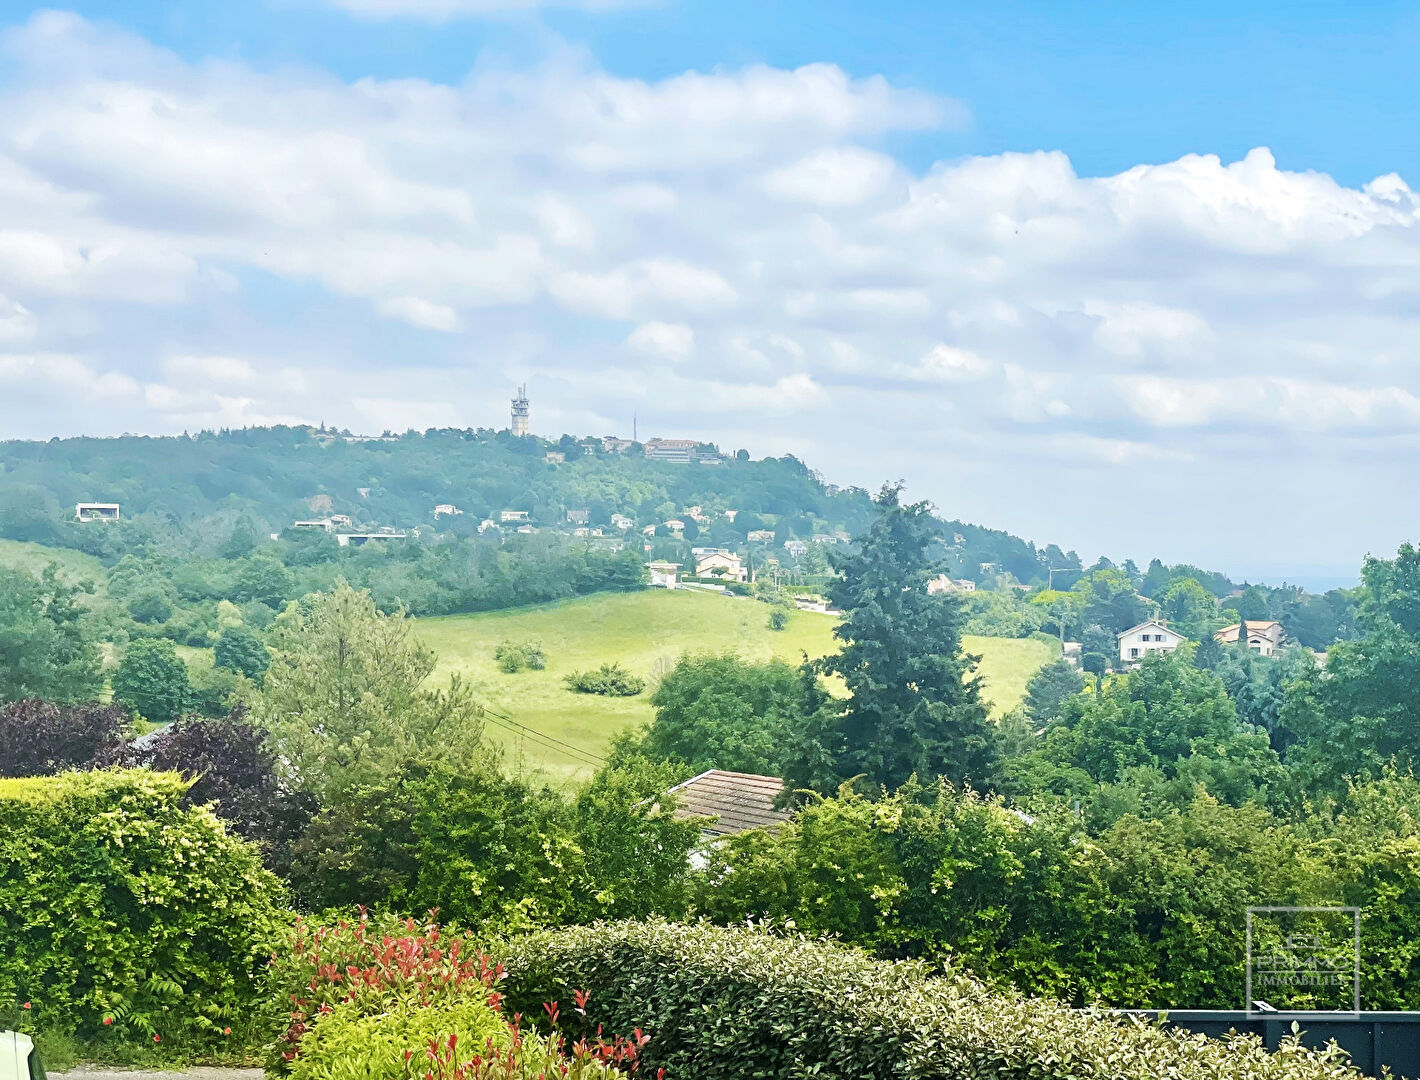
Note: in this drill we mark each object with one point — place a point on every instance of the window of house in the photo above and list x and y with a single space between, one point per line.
1133 653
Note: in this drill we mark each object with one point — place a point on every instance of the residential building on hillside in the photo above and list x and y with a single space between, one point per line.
343 520
1264 636
94 511
323 524
720 564
941 584
554 457
486 524
663 574
675 525
613 445
513 515
760 536
796 548
447 510
735 802
579 517
1148 637
621 521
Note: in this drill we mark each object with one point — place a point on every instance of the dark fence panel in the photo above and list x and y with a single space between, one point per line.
1373 1039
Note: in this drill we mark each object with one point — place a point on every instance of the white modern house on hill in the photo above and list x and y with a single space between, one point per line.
1148 637
96 512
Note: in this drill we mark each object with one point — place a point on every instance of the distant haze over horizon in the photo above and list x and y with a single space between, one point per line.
1129 285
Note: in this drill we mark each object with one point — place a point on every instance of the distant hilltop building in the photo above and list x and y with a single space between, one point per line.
521 424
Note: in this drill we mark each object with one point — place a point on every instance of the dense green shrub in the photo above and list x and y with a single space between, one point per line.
125 914
612 680
745 1003
520 656
152 680
1142 914
350 1043
493 851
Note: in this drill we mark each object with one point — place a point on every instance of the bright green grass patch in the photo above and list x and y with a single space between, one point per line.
645 631
74 566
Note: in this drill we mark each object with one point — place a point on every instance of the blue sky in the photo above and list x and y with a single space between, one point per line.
1325 85
1111 275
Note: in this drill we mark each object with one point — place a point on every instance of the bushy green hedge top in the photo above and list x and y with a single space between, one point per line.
743 1003
124 913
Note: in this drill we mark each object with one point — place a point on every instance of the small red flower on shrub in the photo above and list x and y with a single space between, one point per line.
108 1020
157 1037
26 1005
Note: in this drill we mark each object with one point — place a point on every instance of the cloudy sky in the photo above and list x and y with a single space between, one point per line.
1127 281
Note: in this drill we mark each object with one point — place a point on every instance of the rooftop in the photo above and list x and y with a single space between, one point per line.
737 801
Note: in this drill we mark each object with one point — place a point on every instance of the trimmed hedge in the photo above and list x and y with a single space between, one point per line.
744 1003
126 915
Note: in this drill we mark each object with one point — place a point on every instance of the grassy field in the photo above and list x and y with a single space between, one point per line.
73 565
645 631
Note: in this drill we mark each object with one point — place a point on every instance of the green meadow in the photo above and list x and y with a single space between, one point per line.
645 631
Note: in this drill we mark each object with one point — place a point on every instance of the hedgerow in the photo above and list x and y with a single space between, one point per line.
127 916
744 1003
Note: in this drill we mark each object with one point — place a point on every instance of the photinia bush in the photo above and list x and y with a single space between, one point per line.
376 997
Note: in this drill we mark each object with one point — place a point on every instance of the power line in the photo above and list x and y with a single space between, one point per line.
548 742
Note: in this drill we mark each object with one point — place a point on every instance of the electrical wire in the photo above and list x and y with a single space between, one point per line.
547 742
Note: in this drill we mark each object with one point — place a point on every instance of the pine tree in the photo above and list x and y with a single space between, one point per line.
915 701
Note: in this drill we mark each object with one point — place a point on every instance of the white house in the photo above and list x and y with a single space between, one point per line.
1148 637
796 548
96 512
760 536
579 517
324 524
675 525
513 515
663 574
1264 636
720 564
486 524
621 521
941 583
447 510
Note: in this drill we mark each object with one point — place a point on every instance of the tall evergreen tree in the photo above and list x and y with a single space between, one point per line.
914 703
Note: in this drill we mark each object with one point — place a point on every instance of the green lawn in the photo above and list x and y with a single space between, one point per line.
645 631
73 565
